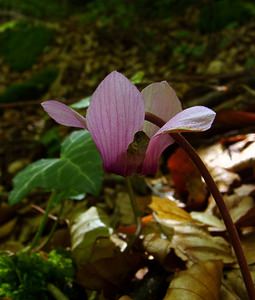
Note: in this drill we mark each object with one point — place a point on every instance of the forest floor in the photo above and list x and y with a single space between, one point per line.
68 59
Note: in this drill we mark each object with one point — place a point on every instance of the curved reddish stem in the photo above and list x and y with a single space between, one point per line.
231 229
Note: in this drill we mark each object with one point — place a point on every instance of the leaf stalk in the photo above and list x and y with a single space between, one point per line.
53 198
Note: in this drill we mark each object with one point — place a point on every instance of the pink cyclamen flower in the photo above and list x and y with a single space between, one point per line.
116 119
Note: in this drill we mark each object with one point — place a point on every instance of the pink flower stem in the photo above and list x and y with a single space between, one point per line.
231 229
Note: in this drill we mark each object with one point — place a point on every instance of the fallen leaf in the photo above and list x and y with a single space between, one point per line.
193 243
86 229
168 210
200 281
207 218
233 281
248 243
157 246
187 178
217 159
248 219
241 208
111 272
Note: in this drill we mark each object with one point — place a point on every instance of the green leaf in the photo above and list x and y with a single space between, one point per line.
78 170
83 103
138 77
86 229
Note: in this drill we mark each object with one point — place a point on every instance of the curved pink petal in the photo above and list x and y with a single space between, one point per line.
115 114
197 118
161 100
155 148
63 114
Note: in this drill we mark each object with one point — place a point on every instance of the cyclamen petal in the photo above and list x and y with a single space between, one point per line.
197 118
161 100
115 114
63 114
155 148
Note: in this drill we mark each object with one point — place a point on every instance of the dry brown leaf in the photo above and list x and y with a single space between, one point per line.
245 190
240 208
226 293
168 210
157 246
207 218
223 162
193 243
109 271
242 154
239 204
248 219
233 282
217 160
248 243
187 179
201 281
190 240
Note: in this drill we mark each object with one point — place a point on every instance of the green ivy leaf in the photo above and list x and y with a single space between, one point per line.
78 170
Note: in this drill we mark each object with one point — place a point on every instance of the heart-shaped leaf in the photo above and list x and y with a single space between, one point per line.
78 170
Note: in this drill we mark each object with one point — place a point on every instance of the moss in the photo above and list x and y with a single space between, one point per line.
22 44
31 89
25 277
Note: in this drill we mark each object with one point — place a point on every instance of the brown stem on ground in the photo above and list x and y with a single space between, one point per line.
231 229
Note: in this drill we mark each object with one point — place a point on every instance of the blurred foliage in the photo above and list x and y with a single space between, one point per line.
97 37
23 38
32 88
124 13
37 9
26 276
216 15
